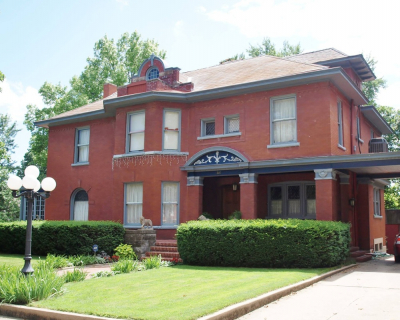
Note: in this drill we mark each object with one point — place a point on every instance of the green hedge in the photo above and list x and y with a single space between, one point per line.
264 243
61 237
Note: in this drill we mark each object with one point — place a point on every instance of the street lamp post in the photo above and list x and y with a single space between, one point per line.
31 185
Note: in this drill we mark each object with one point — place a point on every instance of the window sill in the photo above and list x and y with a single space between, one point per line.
235 134
341 147
378 217
79 164
141 153
283 145
135 226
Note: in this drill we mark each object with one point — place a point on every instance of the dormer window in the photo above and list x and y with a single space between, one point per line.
152 73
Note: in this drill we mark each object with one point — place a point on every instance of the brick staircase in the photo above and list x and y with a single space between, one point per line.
360 255
168 249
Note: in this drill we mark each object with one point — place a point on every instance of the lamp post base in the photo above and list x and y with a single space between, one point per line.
27 269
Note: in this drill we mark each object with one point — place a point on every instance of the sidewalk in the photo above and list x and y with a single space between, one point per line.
371 290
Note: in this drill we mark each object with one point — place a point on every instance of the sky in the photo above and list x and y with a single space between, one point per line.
47 40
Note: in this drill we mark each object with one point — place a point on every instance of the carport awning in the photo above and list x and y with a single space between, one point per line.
372 165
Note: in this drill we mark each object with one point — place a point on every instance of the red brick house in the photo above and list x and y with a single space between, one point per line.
271 137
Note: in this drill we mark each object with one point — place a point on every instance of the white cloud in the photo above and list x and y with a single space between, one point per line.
13 101
390 95
201 9
179 29
123 2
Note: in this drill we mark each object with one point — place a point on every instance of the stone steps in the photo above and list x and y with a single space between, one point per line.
360 255
168 249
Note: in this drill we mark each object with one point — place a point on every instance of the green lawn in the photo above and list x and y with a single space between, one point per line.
180 292
15 259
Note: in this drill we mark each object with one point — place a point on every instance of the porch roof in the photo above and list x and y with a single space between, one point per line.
370 165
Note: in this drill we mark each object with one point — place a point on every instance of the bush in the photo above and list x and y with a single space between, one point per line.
235 215
61 237
57 262
124 266
125 251
264 243
152 262
16 288
75 276
207 215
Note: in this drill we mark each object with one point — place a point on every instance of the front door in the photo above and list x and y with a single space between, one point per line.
230 200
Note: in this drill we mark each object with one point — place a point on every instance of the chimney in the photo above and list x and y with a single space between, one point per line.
109 89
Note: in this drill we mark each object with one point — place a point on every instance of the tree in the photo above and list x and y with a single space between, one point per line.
9 207
2 77
268 48
371 88
112 62
238 56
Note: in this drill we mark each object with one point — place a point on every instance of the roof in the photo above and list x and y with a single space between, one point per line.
317 56
89 108
229 79
245 71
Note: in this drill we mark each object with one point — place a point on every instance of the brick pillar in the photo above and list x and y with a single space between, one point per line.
194 198
248 195
326 194
345 208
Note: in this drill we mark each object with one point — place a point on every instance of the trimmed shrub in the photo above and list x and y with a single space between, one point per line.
61 237
264 243
125 251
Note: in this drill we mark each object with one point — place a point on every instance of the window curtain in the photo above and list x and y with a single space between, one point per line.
83 142
311 208
171 133
284 120
136 130
134 202
81 210
276 207
170 203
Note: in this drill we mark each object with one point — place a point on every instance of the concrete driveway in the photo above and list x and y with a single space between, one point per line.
371 290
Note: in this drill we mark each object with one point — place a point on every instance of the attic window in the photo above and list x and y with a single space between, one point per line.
152 73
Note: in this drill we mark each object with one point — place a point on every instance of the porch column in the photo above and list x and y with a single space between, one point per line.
248 195
326 194
195 198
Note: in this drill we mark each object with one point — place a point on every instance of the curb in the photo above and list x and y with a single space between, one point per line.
240 309
229 313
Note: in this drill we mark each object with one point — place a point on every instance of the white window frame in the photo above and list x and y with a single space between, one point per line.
377 202
340 124
272 121
72 204
77 146
177 202
226 124
135 203
129 133
204 122
285 198
164 130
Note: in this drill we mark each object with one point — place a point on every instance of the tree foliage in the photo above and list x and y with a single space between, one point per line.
268 48
371 88
2 77
9 207
112 62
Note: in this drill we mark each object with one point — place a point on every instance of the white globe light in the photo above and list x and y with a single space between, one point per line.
37 186
14 182
29 182
32 171
48 184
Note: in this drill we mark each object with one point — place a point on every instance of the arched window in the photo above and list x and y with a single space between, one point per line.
79 205
152 73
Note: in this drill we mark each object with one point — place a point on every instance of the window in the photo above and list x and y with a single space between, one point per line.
232 124
172 119
82 145
37 209
133 203
292 200
377 202
340 123
283 120
80 205
170 203
135 131
152 73
208 127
